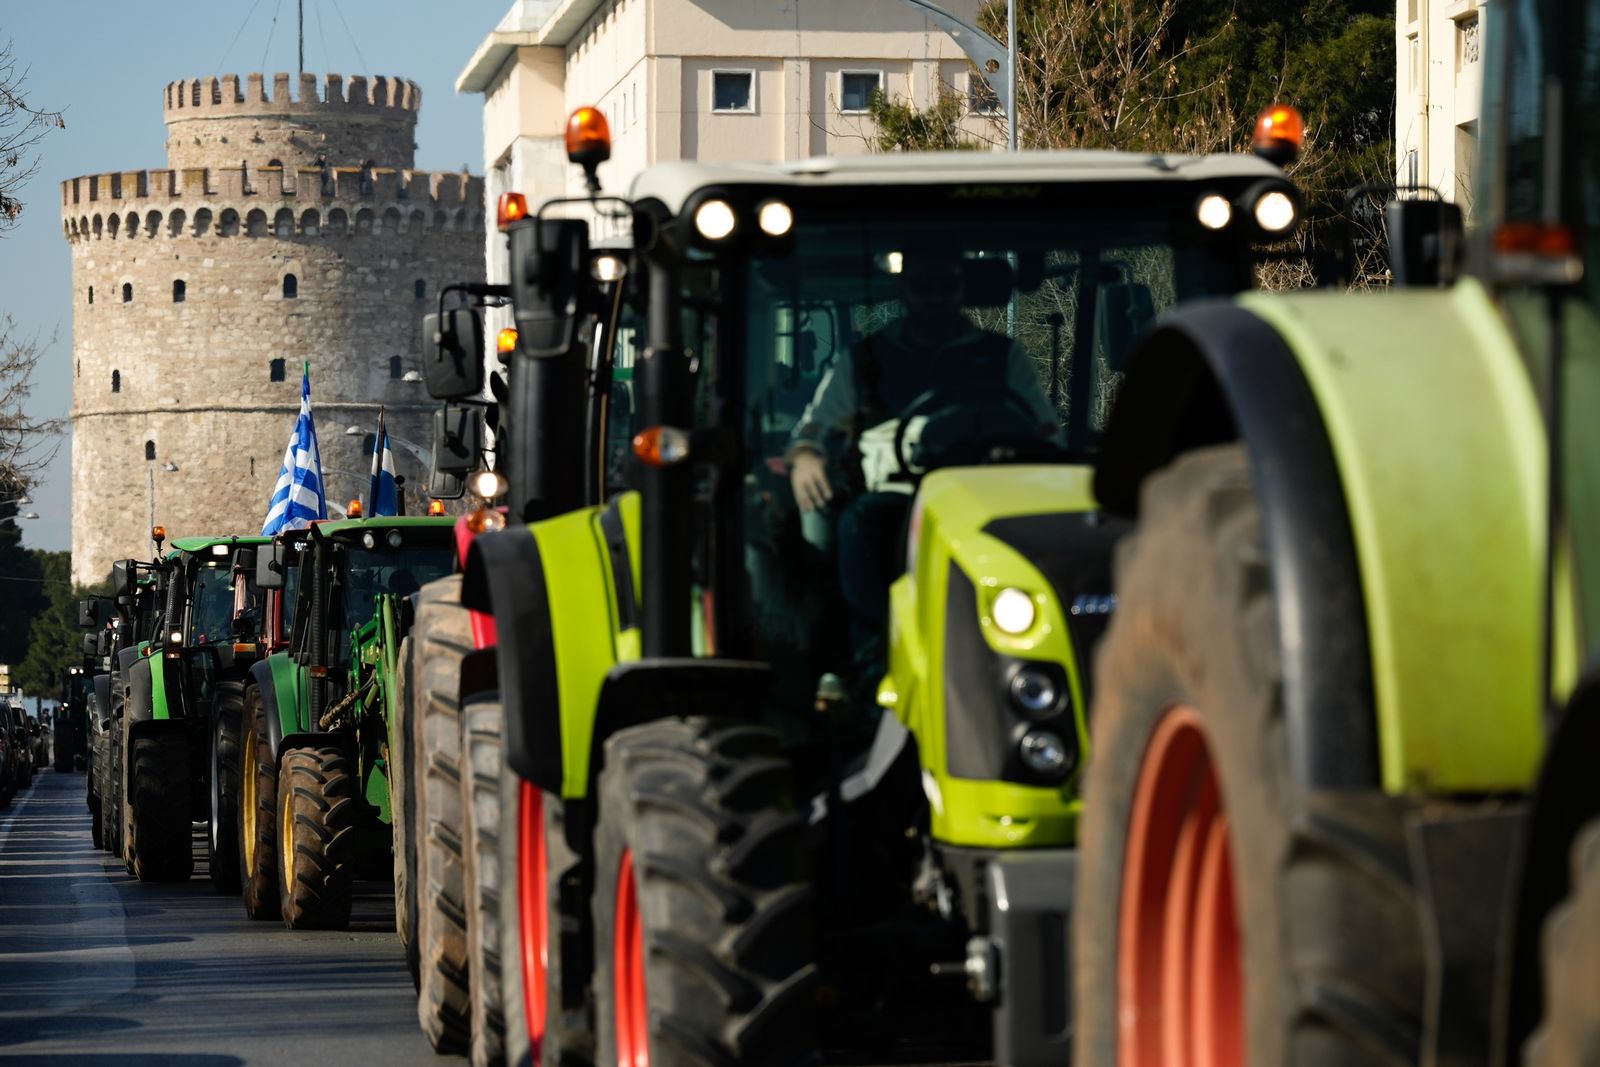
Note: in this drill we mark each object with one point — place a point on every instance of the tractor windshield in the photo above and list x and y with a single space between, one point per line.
875 347
401 571
211 618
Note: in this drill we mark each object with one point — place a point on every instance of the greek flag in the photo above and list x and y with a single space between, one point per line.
297 499
384 496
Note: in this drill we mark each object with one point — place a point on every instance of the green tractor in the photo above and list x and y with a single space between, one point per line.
314 803
1342 806
765 806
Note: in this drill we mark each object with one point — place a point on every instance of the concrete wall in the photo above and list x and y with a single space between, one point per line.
1439 56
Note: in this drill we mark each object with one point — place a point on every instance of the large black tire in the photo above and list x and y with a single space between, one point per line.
222 840
160 840
1327 967
443 638
94 821
258 813
1569 1033
403 790
61 748
116 822
316 824
701 812
482 758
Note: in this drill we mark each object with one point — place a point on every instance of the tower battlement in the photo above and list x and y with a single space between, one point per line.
202 98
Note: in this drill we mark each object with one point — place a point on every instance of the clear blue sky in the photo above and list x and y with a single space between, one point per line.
105 64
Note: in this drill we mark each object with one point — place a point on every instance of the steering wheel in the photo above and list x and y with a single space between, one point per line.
945 403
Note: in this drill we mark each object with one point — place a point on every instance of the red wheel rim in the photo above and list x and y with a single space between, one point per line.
1179 989
633 1018
533 902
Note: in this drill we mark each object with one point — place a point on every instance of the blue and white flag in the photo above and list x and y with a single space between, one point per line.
298 499
383 498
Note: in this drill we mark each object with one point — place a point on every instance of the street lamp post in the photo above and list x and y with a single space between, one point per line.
986 53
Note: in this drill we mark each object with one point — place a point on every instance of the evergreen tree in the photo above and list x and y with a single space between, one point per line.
54 640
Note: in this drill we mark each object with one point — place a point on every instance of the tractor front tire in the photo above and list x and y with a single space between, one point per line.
1569 1033
443 637
316 827
1226 913
158 809
258 813
222 838
403 790
482 759
704 943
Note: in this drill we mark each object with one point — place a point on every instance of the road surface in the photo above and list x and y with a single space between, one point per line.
95 967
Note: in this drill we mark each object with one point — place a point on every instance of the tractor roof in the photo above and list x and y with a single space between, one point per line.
201 544
673 183
383 522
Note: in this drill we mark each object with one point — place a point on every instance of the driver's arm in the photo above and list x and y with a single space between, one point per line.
1022 377
831 409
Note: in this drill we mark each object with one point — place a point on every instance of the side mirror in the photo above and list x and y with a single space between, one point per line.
91 644
452 353
89 617
244 558
270 564
1425 241
457 441
1121 311
122 572
549 276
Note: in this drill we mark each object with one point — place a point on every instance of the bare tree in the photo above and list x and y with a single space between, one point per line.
21 129
27 443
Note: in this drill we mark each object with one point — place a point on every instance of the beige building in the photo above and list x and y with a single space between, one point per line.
714 80
1438 53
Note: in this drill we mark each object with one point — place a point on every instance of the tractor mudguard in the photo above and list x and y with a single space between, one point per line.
550 679
141 687
480 673
1405 533
151 728
102 700
274 677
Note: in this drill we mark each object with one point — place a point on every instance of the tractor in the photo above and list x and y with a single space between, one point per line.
797 721
314 806
1341 807
69 732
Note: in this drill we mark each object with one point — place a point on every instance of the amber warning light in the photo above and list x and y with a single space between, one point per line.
506 340
354 510
1279 135
588 137
512 208
436 507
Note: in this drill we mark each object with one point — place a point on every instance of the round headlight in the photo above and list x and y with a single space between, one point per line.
1214 211
1034 692
393 539
1013 611
775 218
715 220
1274 211
608 268
489 484
1044 752
369 541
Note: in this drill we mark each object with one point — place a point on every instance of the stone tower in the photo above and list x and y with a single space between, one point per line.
288 228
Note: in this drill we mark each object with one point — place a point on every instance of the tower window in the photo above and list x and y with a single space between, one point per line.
127 292
179 291
91 294
395 369
149 451
291 287
116 381
419 289
275 370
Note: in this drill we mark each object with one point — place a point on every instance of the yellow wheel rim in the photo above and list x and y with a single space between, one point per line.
247 785
286 835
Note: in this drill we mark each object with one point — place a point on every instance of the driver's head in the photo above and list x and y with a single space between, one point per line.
931 286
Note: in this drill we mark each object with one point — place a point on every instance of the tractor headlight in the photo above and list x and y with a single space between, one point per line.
369 541
393 539
490 485
715 220
1013 611
1274 211
1044 752
1034 692
175 637
1214 211
775 218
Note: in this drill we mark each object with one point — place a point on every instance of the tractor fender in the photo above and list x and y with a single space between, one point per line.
265 678
1404 533
550 679
140 688
102 700
166 728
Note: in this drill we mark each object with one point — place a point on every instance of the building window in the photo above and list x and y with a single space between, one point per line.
419 288
179 291
981 97
733 90
91 294
116 381
149 451
291 287
275 370
127 292
395 369
856 88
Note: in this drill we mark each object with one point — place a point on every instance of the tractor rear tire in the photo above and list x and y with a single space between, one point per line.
704 943
161 841
1569 1035
222 839
94 821
403 790
443 638
1192 823
534 855
317 812
118 823
482 758
258 813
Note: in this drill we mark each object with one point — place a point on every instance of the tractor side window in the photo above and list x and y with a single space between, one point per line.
211 618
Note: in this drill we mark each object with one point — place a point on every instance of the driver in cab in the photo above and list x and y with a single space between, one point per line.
853 422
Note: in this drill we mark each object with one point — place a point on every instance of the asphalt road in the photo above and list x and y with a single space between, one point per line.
95 967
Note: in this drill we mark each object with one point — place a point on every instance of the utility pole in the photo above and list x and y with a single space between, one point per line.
302 8
986 53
